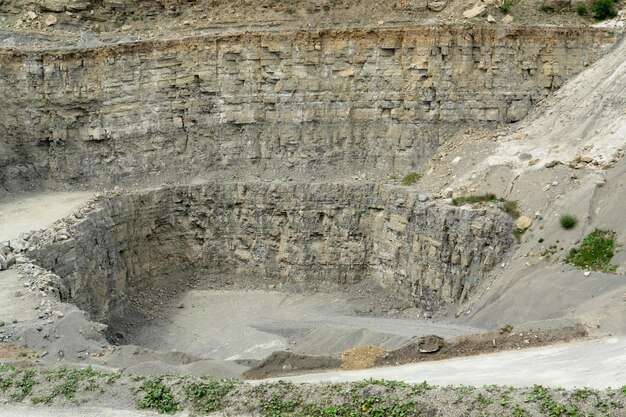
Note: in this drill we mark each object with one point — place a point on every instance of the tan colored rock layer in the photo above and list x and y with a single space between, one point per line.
364 98
304 237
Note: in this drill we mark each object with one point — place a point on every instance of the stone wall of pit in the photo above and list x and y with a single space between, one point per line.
273 236
375 98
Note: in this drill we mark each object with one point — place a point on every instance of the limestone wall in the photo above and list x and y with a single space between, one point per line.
359 98
254 235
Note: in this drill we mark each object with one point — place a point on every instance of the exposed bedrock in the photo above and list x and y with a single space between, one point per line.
284 236
360 98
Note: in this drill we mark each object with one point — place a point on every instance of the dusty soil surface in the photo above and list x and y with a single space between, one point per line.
234 325
285 363
13 351
420 349
361 357
28 212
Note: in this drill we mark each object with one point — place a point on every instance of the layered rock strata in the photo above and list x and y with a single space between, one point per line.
302 236
377 99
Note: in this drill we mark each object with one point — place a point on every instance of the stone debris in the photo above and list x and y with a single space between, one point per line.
437 5
475 11
430 344
51 20
507 20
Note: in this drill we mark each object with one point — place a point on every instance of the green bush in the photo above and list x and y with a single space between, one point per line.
411 178
568 221
604 9
506 7
595 252
581 10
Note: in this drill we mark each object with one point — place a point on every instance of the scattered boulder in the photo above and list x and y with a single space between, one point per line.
523 223
19 245
77 5
51 20
437 5
54 6
507 20
475 11
430 344
491 19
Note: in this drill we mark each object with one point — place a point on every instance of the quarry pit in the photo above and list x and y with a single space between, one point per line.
195 201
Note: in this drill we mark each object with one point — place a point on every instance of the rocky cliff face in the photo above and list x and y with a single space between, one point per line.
253 235
377 99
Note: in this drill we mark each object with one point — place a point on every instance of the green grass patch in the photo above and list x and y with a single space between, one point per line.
368 398
581 10
157 396
411 178
548 405
208 395
568 221
474 199
25 385
595 252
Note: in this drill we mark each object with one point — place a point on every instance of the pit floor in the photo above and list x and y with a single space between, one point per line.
229 325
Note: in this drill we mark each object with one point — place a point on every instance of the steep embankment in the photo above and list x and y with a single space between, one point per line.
277 103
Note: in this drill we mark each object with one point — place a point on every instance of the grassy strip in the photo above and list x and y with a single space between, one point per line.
508 206
370 398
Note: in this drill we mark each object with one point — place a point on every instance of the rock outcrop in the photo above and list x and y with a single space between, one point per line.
377 99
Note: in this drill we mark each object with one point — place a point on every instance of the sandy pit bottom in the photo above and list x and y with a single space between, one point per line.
233 325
